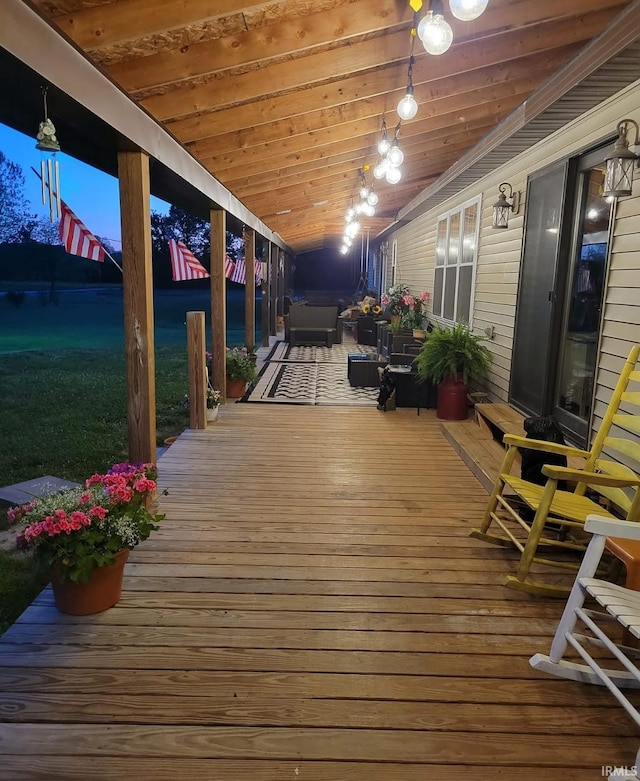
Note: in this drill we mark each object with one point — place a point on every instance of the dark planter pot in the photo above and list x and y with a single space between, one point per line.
101 592
236 389
452 399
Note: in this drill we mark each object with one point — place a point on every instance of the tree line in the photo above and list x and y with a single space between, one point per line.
31 250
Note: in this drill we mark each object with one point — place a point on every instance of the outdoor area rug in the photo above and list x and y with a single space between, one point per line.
311 375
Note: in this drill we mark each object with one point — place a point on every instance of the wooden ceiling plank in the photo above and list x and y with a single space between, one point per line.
304 148
331 66
322 30
364 117
360 90
348 161
423 164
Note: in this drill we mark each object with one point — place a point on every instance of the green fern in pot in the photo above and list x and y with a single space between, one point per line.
451 352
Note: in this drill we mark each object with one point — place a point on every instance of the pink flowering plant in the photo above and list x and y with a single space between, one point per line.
80 529
413 314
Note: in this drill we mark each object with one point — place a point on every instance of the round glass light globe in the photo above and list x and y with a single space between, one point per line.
407 107
393 175
368 210
350 215
372 198
395 156
383 146
344 249
381 169
467 10
437 35
364 191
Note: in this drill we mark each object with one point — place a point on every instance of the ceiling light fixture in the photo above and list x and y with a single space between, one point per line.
618 180
384 145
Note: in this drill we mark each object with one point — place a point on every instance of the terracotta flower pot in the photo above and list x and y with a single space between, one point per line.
102 591
236 389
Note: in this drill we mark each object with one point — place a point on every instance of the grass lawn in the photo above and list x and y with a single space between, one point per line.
63 395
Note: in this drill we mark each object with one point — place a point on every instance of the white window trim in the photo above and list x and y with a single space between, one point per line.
394 262
477 200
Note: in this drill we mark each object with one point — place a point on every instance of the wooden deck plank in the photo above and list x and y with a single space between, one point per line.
326 619
72 768
372 714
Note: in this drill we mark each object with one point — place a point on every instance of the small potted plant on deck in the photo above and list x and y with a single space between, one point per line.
240 369
84 534
213 402
449 358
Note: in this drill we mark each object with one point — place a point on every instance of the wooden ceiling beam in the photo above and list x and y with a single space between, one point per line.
327 29
155 25
365 56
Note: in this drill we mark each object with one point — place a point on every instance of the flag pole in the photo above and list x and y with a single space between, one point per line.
115 263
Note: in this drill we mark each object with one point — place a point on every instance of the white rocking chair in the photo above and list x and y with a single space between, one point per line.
623 609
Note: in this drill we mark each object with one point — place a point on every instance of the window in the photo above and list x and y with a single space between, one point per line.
456 255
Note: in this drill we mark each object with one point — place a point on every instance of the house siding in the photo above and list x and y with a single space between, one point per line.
499 253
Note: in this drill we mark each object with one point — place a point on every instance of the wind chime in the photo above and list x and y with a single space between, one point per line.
49 168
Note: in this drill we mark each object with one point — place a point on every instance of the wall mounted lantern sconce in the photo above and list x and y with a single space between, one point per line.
504 205
618 180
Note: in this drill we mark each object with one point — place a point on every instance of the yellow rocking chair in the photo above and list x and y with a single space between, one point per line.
612 465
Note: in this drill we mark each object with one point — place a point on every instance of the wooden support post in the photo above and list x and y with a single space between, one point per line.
133 172
197 370
218 301
249 237
273 289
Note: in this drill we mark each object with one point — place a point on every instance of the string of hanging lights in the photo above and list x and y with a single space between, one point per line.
436 36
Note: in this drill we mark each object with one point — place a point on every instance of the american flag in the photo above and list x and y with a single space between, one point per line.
184 263
229 267
77 238
239 273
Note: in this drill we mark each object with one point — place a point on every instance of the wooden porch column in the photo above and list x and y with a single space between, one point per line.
218 237
281 276
273 288
197 370
133 173
249 236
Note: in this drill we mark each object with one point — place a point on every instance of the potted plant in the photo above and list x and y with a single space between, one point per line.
240 369
413 314
449 358
84 534
393 301
213 402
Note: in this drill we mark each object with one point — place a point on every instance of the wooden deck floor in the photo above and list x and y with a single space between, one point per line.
311 610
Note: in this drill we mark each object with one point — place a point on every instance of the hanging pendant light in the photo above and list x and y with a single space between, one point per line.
408 106
380 171
384 144
393 175
372 198
395 156
467 10
434 31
